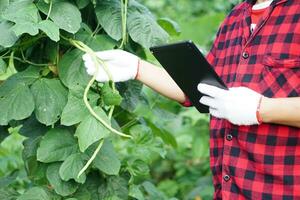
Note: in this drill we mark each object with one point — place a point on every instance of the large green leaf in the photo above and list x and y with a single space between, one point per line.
61 187
36 193
50 98
72 71
16 101
51 29
142 26
82 3
106 160
21 11
7 37
72 166
56 145
32 128
75 110
91 130
108 13
64 14
170 26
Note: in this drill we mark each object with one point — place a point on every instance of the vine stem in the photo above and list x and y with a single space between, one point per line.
91 159
50 9
124 9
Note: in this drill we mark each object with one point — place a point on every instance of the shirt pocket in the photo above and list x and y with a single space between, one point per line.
280 77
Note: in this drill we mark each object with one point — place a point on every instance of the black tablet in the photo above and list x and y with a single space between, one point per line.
188 67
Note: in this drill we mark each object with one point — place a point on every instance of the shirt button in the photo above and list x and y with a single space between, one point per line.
245 55
229 137
226 178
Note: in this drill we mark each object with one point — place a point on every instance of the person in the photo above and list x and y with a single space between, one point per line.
254 126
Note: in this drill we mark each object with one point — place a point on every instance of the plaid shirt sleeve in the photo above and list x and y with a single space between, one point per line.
261 161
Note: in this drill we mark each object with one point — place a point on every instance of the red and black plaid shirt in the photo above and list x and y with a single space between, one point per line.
261 161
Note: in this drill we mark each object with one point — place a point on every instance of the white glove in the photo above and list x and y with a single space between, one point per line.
238 105
122 65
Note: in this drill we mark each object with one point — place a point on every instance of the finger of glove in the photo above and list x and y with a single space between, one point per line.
208 101
109 54
216 113
210 90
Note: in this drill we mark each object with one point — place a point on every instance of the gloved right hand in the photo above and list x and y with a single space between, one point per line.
122 65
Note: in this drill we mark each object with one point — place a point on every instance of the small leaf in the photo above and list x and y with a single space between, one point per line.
56 145
64 14
90 130
25 27
7 37
170 26
75 110
50 97
72 71
82 3
72 166
110 97
51 30
61 187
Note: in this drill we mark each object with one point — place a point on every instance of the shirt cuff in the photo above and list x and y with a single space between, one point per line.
187 102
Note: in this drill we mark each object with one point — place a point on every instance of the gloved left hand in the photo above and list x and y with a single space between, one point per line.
238 105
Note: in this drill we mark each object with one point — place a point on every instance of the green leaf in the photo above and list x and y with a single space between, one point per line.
138 168
56 145
143 28
98 42
25 27
170 26
50 98
75 110
7 37
51 29
83 193
82 3
64 14
61 187
115 188
11 70
108 13
153 192
32 128
135 191
3 66
35 170
72 166
3 6
110 97
21 11
91 130
71 70
16 101
8 194
36 193
107 160
130 91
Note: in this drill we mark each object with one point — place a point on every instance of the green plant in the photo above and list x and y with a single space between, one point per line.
66 117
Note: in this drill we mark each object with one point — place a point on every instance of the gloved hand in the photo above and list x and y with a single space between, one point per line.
238 105
122 65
